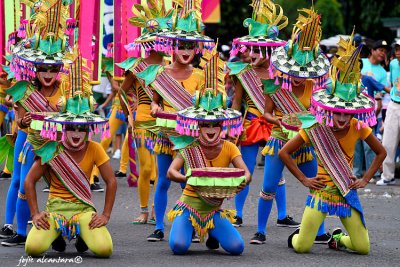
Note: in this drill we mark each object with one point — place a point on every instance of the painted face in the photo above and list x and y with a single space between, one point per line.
76 136
379 54
256 60
210 132
341 120
185 53
47 75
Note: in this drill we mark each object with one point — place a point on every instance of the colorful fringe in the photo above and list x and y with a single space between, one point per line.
68 228
144 138
24 152
267 196
329 203
302 155
163 145
201 225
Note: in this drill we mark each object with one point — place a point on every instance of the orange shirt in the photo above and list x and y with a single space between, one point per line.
94 156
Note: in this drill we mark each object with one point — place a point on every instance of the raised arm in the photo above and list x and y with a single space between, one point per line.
285 154
39 219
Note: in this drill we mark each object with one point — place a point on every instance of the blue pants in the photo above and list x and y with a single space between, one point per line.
161 195
180 237
14 204
272 174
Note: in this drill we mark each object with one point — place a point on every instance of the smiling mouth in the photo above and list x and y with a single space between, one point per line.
210 135
76 139
185 57
47 80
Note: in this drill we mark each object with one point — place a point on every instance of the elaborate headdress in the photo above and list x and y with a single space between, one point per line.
185 25
264 26
343 89
301 56
152 17
45 39
210 104
77 103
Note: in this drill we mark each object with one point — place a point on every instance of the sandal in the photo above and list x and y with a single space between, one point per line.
152 219
142 219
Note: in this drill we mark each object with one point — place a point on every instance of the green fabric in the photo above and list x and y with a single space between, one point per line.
49 46
210 181
181 141
162 23
38 125
67 208
48 151
289 133
307 120
78 105
17 91
269 86
147 125
236 67
7 152
210 102
165 123
188 24
256 28
345 91
149 74
108 64
302 57
202 207
10 74
127 64
8 58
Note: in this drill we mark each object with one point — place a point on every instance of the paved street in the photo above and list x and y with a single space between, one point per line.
381 207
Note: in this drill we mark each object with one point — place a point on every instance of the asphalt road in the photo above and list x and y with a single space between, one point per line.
381 207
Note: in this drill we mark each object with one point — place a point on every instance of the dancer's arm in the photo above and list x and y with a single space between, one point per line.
155 104
237 95
174 173
238 162
24 118
380 152
39 219
269 109
285 154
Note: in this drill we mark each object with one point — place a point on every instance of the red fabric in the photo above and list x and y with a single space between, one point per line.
259 130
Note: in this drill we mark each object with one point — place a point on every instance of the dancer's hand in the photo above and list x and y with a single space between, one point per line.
314 183
357 183
98 221
241 186
155 109
26 120
40 221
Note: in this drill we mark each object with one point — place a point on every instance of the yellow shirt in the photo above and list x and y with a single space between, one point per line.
191 84
143 110
347 144
94 155
228 153
305 100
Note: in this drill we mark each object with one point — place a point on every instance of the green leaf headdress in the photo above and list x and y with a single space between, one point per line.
301 57
264 26
185 25
342 92
210 104
76 103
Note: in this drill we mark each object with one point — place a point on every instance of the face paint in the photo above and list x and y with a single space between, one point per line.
210 133
75 136
341 120
47 75
185 52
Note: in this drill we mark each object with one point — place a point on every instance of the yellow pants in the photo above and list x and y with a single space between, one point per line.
98 240
357 240
123 164
105 143
147 172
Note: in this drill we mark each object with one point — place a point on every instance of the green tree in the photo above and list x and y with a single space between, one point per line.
331 17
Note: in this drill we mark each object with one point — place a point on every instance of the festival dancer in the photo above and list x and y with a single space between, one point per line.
301 65
333 190
173 87
67 166
36 63
139 97
206 123
264 26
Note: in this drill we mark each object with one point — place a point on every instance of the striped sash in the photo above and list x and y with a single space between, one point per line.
172 91
333 160
72 176
287 102
195 158
254 88
36 102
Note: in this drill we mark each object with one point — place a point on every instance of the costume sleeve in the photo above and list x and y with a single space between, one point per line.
100 156
304 135
364 132
233 150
